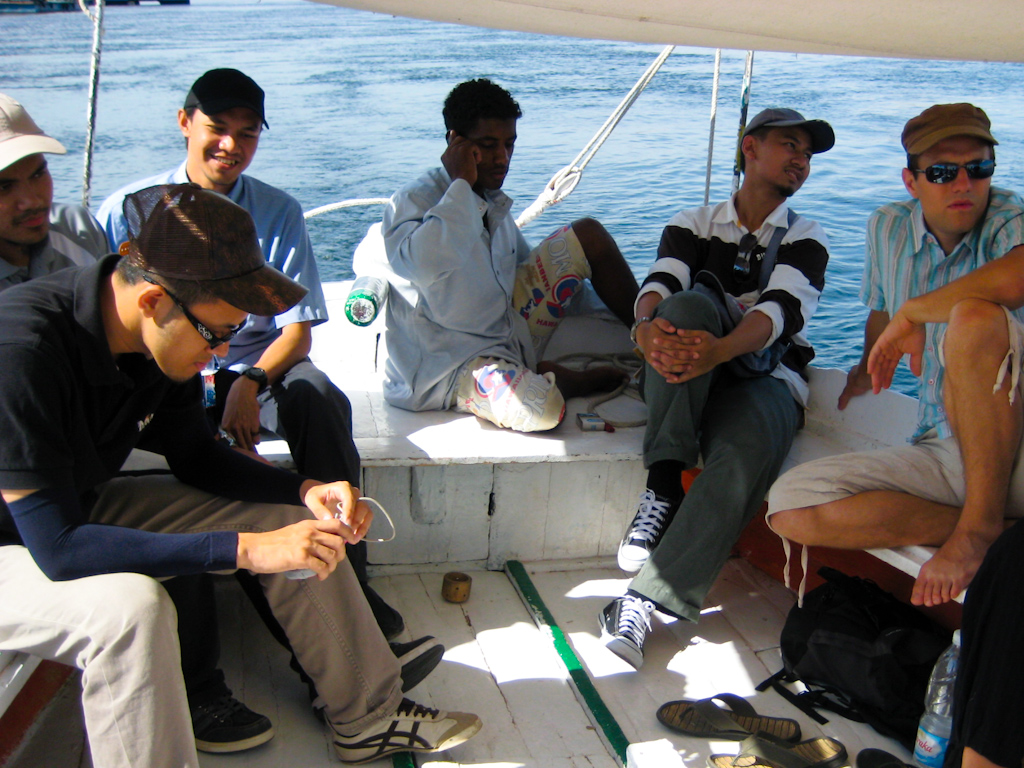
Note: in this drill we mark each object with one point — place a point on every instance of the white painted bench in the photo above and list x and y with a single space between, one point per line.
463 490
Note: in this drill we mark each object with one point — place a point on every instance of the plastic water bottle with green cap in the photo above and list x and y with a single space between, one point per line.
366 299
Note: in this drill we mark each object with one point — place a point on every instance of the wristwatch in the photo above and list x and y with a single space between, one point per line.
258 375
632 331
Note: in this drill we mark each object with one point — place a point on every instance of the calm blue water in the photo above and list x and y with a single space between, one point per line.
354 102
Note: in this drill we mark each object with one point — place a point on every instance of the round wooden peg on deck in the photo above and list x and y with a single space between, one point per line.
456 586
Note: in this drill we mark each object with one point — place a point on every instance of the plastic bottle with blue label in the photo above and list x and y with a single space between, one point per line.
937 721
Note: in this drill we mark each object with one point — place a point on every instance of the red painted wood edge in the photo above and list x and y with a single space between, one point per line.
31 700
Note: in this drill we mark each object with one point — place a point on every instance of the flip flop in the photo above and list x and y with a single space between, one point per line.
706 720
879 758
764 752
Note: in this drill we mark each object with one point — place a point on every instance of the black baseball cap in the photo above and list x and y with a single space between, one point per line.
185 232
222 89
823 138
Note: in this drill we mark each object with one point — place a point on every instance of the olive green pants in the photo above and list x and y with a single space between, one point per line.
743 428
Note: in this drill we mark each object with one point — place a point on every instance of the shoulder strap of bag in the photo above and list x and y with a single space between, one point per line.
770 254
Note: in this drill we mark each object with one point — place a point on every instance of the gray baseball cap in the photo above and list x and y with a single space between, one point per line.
823 138
20 136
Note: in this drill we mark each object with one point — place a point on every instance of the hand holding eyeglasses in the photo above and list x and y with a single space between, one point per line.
373 535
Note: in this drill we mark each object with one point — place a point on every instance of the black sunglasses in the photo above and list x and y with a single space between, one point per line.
741 267
944 173
212 340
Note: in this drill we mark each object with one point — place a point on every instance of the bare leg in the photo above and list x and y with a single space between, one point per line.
988 431
867 521
610 275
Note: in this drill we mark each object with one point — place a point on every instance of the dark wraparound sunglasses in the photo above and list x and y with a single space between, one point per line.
741 267
212 340
944 173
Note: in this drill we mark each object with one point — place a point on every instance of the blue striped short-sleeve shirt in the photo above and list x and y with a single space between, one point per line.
905 260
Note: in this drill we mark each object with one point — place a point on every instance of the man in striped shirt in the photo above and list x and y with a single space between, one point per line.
929 262
724 385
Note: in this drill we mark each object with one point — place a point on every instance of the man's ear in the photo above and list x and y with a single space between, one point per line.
184 123
149 299
910 182
749 148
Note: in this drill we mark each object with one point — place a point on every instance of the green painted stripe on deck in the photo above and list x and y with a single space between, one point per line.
403 760
599 712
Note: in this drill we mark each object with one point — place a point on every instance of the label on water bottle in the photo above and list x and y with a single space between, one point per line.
209 387
930 750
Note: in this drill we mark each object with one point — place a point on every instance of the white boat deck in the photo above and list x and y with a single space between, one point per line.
501 666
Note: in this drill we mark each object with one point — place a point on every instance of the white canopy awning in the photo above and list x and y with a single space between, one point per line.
984 30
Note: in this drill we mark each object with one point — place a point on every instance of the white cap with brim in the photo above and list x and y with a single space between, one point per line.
20 136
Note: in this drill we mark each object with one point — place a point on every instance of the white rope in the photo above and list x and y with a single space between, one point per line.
748 71
94 86
346 204
564 182
711 130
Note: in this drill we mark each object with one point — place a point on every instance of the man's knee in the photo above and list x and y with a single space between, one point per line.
139 609
592 236
789 523
307 388
690 310
974 326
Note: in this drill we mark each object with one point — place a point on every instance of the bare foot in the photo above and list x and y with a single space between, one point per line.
572 383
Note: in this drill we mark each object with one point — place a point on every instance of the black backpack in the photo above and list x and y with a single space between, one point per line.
861 653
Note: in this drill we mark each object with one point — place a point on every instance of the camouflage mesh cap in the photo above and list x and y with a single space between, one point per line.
184 232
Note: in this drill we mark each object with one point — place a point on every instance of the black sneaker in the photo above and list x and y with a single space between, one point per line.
625 623
413 728
653 515
388 619
227 725
418 659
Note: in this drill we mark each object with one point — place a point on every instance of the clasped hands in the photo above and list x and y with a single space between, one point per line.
678 354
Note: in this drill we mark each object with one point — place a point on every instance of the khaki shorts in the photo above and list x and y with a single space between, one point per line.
547 281
930 470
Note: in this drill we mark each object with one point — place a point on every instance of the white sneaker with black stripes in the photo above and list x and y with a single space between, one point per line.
413 728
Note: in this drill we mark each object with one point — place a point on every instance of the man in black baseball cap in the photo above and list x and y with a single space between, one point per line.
93 360
265 381
222 89
821 134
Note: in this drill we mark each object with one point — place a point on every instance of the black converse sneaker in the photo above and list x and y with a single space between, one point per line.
413 728
625 623
653 515
227 725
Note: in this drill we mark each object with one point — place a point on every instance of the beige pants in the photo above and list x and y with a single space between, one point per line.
120 629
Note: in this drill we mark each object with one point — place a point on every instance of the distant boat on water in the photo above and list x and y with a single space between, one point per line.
47 6
36 6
